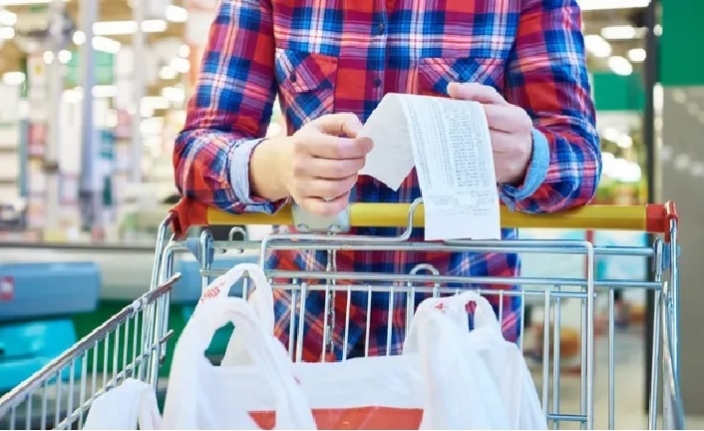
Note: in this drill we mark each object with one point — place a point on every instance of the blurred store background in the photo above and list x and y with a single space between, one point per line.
85 181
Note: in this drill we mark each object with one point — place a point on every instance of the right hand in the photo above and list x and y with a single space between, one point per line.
323 162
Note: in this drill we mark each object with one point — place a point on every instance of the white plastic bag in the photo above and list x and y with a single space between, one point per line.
503 358
438 383
203 396
130 406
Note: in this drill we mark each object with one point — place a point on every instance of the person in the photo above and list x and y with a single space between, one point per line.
330 63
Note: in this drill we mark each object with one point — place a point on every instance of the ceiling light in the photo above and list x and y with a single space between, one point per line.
176 14
167 73
180 65
64 56
13 78
48 57
620 32
597 46
184 51
620 66
611 4
636 55
7 33
624 141
100 43
24 2
7 18
114 28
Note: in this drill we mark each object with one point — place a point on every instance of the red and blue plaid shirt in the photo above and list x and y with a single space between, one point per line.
321 57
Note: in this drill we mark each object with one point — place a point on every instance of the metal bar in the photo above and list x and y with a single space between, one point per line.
55 89
650 75
91 184
21 392
139 54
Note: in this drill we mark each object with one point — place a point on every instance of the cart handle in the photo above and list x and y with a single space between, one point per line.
650 218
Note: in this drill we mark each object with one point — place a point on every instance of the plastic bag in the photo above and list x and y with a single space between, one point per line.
203 396
437 383
130 406
504 359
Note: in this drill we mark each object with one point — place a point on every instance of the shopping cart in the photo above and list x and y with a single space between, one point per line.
133 342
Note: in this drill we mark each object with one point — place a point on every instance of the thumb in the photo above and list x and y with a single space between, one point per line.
346 124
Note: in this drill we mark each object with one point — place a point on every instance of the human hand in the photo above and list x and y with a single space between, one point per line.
510 127
323 161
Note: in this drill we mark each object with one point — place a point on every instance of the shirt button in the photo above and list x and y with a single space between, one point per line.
381 28
377 82
293 77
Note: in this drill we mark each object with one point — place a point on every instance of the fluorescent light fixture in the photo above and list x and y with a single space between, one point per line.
620 66
167 73
13 78
154 102
184 51
64 56
7 18
636 55
620 32
624 141
612 4
180 65
115 28
100 43
176 14
597 46
24 2
7 33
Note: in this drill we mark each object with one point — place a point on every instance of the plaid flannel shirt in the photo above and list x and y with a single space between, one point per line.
321 57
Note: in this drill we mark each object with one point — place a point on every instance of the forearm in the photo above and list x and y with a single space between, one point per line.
547 76
267 172
564 173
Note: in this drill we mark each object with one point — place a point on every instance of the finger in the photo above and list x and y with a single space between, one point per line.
329 169
327 189
324 208
507 118
475 92
500 142
347 125
333 147
500 118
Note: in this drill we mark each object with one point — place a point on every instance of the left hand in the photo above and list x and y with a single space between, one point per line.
510 128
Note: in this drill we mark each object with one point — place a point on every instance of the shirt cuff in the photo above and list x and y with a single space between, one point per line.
537 171
239 178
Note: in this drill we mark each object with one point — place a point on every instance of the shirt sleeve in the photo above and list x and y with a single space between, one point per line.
230 109
547 76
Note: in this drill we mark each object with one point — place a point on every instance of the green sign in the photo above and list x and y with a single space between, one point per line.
104 69
681 63
618 93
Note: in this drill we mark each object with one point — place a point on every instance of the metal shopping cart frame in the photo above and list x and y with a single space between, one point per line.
133 342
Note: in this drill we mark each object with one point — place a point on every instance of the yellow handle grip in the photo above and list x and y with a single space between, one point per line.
652 218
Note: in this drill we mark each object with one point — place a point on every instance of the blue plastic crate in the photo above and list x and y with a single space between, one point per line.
32 290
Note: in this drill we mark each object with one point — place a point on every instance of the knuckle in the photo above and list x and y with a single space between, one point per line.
298 166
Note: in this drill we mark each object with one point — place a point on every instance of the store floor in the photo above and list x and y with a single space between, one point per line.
629 387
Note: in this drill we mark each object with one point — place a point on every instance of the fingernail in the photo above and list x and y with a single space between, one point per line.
368 143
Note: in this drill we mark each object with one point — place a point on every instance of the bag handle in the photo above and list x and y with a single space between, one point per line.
457 308
262 299
292 409
452 370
